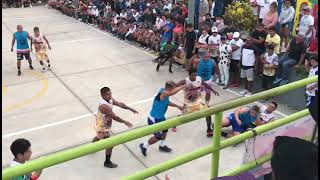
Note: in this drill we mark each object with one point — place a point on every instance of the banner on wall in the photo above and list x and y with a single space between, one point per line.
263 143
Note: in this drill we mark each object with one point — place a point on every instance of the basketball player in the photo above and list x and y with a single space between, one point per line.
104 120
23 49
157 115
192 93
41 44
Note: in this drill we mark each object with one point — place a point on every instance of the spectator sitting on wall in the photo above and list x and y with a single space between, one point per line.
294 56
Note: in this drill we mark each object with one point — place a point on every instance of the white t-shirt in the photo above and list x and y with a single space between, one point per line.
123 15
214 42
236 55
95 12
169 7
203 40
159 23
248 57
264 7
273 59
305 22
313 72
24 177
266 117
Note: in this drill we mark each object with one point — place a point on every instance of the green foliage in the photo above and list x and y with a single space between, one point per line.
240 16
301 72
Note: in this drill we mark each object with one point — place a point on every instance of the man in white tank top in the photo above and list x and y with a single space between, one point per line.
192 93
41 44
104 120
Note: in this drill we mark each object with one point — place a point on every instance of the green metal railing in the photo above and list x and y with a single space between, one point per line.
73 153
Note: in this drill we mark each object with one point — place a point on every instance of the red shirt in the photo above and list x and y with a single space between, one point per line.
313 46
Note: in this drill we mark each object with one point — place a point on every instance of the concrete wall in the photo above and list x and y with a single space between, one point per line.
295 99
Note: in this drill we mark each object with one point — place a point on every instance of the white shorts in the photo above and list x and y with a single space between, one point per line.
246 73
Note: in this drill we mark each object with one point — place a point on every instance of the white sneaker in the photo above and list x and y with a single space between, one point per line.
244 92
43 70
248 94
217 81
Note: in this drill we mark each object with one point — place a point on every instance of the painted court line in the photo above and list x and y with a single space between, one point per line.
66 42
44 88
66 121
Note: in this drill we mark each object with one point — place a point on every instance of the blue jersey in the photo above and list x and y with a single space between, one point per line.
246 119
22 42
205 69
159 107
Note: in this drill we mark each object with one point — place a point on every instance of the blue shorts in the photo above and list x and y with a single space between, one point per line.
158 135
235 125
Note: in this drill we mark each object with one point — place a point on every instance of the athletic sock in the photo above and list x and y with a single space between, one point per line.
107 159
209 124
146 144
162 143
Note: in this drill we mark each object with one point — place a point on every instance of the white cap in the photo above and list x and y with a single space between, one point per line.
214 29
236 35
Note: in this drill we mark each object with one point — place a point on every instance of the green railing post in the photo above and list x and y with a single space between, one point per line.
216 144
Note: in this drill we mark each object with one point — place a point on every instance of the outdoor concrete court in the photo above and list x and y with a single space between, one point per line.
54 110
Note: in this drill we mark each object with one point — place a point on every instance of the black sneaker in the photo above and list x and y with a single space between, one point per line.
143 149
31 67
158 66
165 149
110 165
224 134
170 70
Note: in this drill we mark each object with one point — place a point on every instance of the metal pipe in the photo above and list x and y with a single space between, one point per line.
73 153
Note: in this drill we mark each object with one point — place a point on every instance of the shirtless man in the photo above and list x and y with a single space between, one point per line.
23 49
104 120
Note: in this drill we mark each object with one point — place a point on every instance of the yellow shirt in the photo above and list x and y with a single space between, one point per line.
275 40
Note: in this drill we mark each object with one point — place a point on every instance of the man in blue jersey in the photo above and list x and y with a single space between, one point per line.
23 49
157 114
206 68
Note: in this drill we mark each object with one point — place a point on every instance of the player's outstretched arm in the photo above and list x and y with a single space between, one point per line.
209 87
108 111
175 105
124 106
172 92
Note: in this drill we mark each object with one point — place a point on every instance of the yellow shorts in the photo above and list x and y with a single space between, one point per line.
194 108
102 132
42 55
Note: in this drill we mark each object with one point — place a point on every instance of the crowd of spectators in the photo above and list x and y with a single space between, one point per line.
269 51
